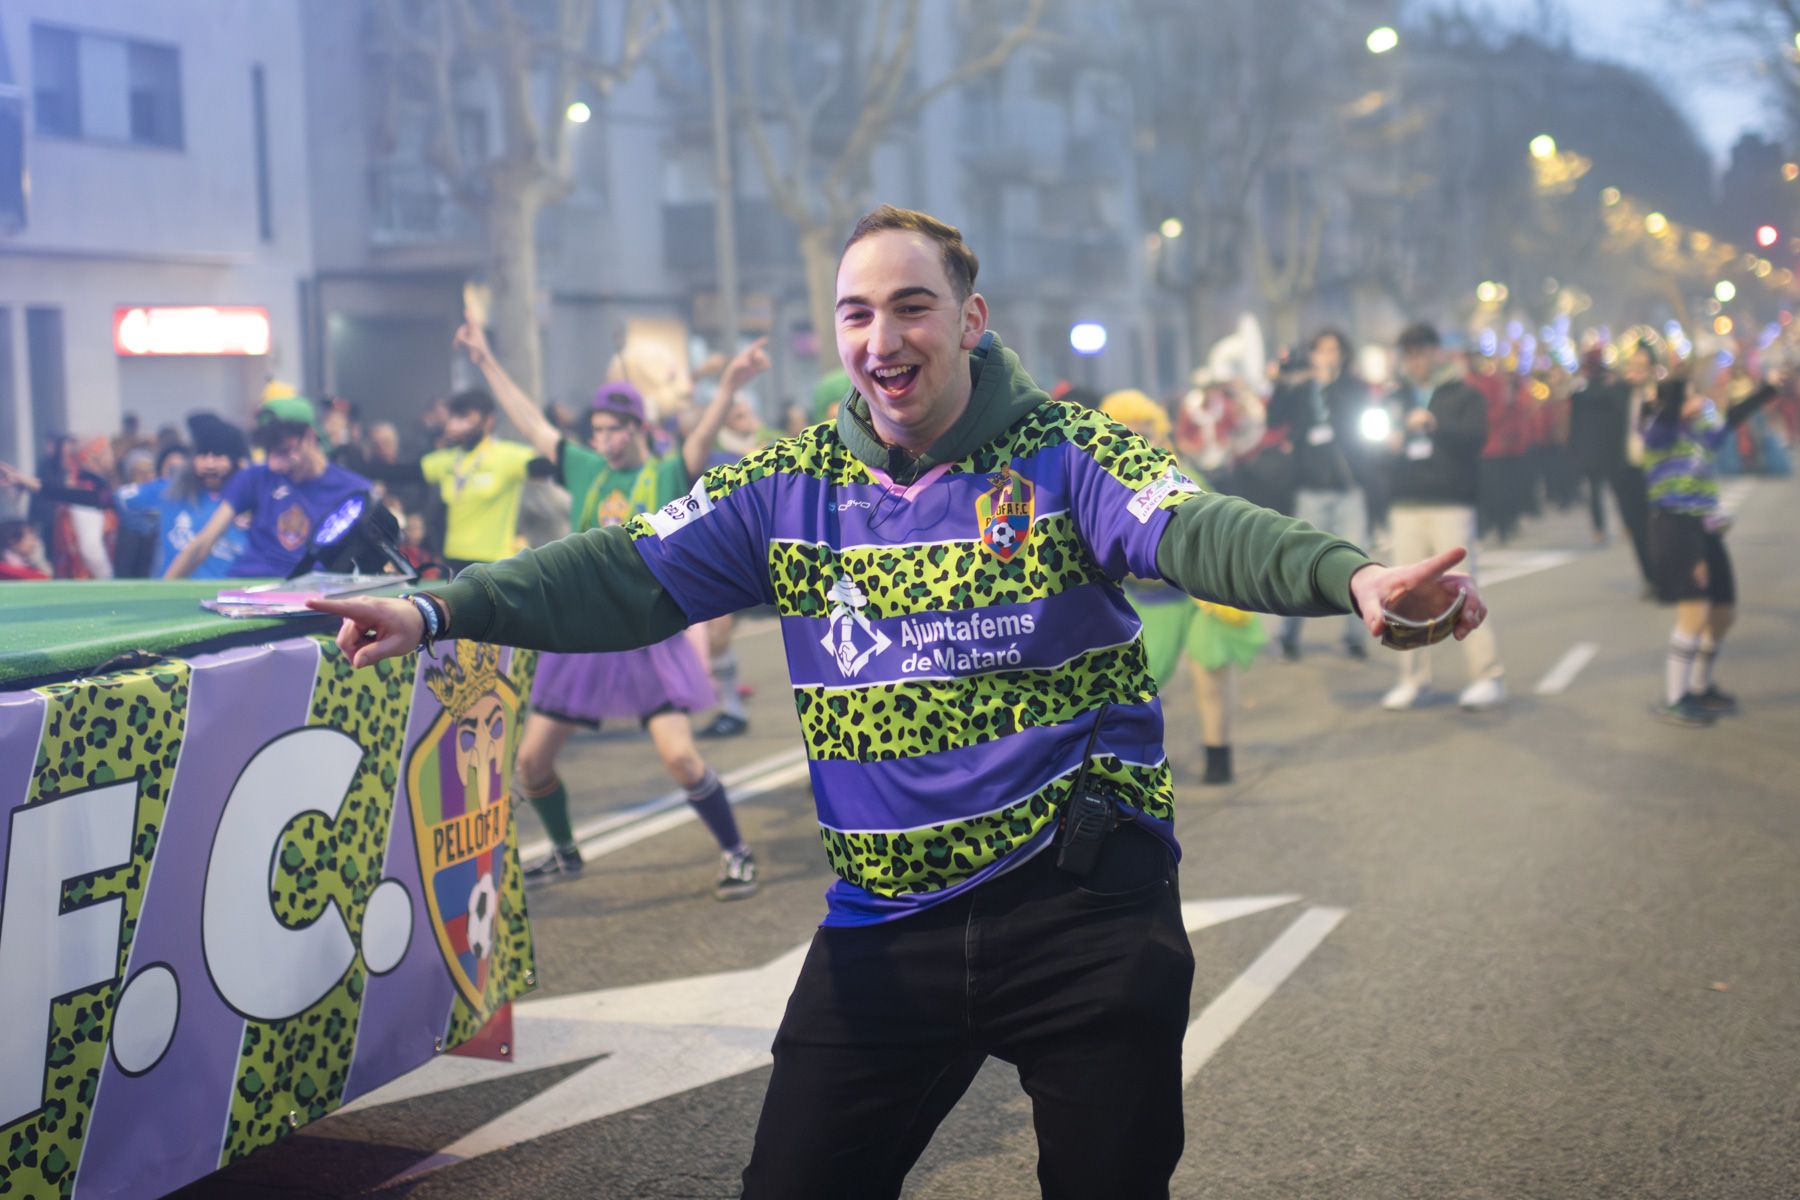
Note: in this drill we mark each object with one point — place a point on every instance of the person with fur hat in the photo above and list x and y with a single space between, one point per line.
284 497
1212 637
611 479
183 505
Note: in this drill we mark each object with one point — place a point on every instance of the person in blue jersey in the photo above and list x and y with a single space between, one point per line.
182 506
285 496
984 736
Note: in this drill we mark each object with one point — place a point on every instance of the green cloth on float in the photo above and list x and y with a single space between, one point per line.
69 627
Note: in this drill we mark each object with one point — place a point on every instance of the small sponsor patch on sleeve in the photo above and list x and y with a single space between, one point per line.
1150 497
684 511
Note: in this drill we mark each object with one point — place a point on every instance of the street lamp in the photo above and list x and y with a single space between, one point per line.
1087 338
579 113
1171 228
1767 235
1656 224
1725 290
1543 146
1383 39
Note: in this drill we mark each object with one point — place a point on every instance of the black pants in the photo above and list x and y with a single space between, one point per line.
1081 984
1634 512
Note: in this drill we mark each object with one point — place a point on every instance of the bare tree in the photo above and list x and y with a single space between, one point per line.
525 62
1247 101
816 143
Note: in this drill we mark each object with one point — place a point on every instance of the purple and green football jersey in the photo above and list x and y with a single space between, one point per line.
951 643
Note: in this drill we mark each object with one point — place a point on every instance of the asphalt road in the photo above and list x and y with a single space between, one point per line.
1548 951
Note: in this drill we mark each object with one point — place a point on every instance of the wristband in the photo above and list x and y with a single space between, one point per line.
427 610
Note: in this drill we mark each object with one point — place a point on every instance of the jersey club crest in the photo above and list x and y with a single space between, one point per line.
1004 513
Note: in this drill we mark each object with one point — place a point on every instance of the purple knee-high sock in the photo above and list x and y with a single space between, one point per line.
708 799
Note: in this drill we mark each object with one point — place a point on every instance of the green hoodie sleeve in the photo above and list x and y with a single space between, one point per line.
1230 551
586 592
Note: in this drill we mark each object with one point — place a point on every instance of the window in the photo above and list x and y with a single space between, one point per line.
154 74
87 85
56 81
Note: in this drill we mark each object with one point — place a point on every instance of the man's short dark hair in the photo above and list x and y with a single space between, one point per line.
960 263
162 456
1420 335
475 401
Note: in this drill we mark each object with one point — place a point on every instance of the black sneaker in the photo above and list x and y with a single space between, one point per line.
1720 704
561 863
1684 712
725 725
1290 651
737 875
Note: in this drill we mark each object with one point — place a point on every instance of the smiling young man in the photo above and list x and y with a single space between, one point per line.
946 559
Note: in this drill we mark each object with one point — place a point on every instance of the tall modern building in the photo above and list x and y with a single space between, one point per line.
155 236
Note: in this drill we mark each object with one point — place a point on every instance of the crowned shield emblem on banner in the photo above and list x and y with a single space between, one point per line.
456 780
1004 513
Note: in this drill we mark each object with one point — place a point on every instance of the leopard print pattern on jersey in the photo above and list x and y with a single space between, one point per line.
930 859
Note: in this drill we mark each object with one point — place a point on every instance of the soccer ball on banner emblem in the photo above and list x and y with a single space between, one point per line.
1002 538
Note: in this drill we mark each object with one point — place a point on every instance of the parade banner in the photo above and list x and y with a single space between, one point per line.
240 890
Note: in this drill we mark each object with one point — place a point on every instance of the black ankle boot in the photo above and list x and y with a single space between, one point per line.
1218 765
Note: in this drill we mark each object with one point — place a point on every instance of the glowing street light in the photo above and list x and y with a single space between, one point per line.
1656 224
1087 338
1723 326
1171 228
1725 290
1790 171
579 113
1489 292
1383 39
1543 146
1767 235
1610 196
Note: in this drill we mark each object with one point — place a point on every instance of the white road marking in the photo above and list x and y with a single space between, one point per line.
655 1040
1502 566
1239 1001
605 844
1566 668
592 831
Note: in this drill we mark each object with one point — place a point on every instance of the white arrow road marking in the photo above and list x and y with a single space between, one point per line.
656 1040
1235 1005
1566 668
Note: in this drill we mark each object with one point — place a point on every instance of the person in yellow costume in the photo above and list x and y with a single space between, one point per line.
1214 639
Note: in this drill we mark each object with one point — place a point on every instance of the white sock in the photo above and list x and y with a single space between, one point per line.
725 678
1704 656
1679 665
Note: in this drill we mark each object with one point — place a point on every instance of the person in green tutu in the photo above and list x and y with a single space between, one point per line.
1212 638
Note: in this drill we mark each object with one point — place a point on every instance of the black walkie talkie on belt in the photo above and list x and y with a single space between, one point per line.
1087 817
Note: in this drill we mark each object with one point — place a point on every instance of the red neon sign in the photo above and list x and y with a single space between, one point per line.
191 330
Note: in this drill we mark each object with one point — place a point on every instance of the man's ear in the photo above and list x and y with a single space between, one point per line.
974 320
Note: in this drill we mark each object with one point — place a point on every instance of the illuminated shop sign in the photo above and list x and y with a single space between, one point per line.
200 329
